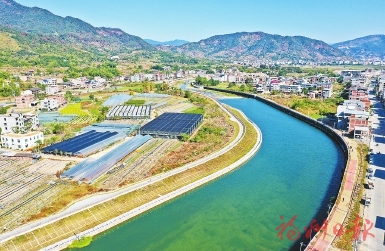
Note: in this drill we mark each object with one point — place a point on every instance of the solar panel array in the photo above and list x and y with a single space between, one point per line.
74 145
172 125
129 112
100 145
117 99
90 169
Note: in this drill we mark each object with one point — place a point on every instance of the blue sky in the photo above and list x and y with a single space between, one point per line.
328 20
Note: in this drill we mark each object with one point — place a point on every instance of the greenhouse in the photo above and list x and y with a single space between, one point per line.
117 99
112 127
172 125
51 117
129 112
89 170
78 143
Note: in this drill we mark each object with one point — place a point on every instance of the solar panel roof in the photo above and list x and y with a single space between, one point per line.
172 124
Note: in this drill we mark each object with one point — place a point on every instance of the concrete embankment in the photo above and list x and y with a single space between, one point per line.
326 129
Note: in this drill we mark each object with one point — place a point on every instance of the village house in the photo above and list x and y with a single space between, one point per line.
21 141
13 122
49 81
26 100
52 89
49 104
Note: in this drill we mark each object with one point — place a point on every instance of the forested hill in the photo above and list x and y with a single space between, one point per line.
259 45
369 47
67 30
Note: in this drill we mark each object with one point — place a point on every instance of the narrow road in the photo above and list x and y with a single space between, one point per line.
375 212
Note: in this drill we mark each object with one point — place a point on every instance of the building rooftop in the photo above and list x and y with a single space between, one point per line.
19 135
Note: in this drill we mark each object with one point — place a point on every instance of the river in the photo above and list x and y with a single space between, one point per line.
295 174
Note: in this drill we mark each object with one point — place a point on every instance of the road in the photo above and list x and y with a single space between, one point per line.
98 199
377 207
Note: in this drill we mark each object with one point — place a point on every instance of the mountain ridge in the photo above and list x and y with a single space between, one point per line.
364 48
71 30
257 45
77 34
175 42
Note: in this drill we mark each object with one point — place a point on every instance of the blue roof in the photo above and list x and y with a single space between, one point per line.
73 145
173 124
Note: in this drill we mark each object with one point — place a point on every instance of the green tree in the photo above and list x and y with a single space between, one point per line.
58 128
92 96
187 94
68 96
4 109
39 143
184 137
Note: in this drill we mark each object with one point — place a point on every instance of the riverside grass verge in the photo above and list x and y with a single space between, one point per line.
89 218
344 242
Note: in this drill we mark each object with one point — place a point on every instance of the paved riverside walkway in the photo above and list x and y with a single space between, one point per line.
337 216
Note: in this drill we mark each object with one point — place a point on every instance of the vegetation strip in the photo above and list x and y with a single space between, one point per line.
355 208
103 212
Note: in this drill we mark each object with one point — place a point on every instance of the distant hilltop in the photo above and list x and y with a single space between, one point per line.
364 48
259 45
175 42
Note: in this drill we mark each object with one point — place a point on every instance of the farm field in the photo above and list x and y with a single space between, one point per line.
26 187
74 109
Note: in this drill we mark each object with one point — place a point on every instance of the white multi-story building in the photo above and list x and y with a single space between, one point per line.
290 88
49 104
51 89
49 81
21 141
17 122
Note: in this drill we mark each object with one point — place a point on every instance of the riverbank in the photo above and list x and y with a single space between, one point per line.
92 215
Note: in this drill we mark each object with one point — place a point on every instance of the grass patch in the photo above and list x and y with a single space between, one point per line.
137 102
81 243
315 108
195 110
72 193
74 109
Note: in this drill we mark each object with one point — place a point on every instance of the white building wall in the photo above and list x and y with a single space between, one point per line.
49 103
9 121
21 141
